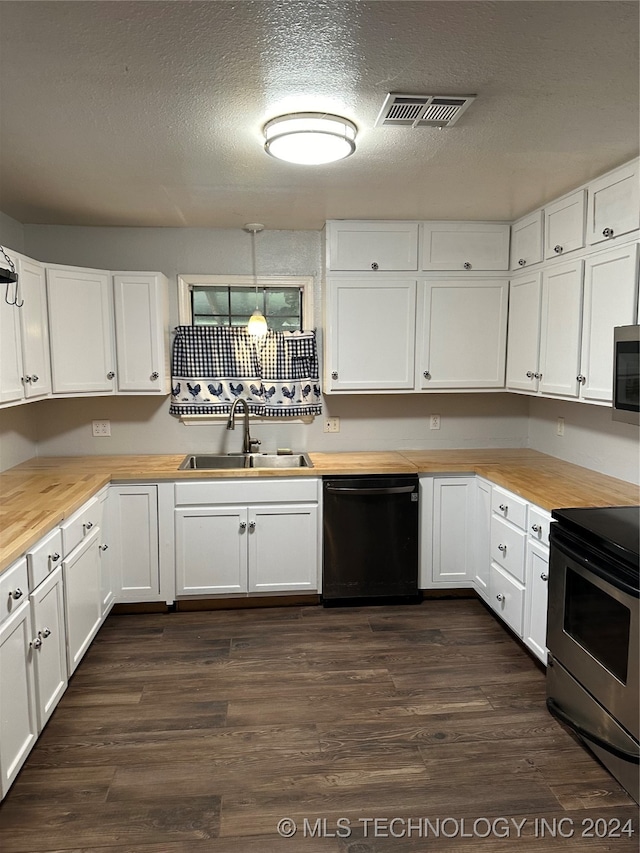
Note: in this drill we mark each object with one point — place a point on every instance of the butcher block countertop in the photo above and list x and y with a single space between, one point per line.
38 494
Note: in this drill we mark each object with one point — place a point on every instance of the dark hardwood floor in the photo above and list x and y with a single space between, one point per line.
199 732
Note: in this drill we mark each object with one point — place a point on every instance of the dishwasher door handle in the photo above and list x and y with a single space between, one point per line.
390 490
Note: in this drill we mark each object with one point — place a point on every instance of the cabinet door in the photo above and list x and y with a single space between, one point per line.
83 606
464 332
360 246
49 644
11 372
482 537
371 334
465 246
133 512
561 324
140 301
283 548
535 628
80 330
18 719
564 225
610 299
614 204
526 241
523 347
107 552
34 330
453 514
211 550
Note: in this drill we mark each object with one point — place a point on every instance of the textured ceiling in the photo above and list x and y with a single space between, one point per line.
150 113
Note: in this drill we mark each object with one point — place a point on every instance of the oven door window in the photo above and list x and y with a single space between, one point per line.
598 622
627 379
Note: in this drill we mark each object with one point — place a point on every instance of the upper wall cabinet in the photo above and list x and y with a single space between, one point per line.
81 330
564 225
465 246
25 371
526 241
374 246
142 327
614 204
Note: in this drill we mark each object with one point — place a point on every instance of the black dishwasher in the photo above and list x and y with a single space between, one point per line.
370 539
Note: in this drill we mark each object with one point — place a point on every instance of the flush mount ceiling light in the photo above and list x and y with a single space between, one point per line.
310 138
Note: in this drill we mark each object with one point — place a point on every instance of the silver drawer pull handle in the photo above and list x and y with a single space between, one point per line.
104 547
89 525
16 593
110 374
502 548
252 526
530 374
34 378
374 266
155 375
608 232
35 644
426 374
466 265
243 525
500 596
522 262
536 528
544 576
55 557
46 632
503 507
558 250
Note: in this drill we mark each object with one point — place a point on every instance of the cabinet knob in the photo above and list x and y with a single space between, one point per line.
334 374
558 250
581 379
88 525
530 374
374 266
34 378
110 374
35 644
243 525
538 375
426 374
104 547
500 596
46 632
503 507
544 576
536 528
16 594
466 265
502 548
608 232
26 379
522 262
55 557
252 526
155 375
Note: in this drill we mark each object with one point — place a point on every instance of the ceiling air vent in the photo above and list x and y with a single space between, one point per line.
422 110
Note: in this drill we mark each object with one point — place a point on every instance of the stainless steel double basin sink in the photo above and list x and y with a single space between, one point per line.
231 461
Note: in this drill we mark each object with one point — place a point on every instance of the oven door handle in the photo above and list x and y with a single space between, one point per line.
561 715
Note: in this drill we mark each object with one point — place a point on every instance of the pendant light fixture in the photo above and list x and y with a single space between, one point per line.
257 324
310 139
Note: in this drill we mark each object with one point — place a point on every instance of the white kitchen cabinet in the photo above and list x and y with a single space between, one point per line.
370 334
375 246
447 531
561 323
82 590
507 570
237 537
482 539
506 596
537 572
614 204
564 225
36 362
11 373
142 327
133 542
610 299
523 340
49 644
18 715
461 246
526 241
81 330
107 553
463 326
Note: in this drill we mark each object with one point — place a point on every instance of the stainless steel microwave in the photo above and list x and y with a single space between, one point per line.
626 374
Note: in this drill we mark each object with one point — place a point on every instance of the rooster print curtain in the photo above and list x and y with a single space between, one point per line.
212 365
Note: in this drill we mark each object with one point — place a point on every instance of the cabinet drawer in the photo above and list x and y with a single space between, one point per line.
359 246
246 491
564 225
538 525
507 547
465 246
14 588
507 505
78 525
506 596
44 558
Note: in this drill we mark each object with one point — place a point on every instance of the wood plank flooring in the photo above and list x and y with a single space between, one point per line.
199 732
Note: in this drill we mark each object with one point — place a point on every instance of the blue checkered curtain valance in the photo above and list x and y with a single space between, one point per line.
212 365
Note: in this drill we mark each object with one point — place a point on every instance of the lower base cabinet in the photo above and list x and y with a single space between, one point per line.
83 599
535 621
447 525
49 644
132 538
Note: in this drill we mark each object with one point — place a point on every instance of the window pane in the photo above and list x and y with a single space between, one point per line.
283 324
225 305
243 300
285 300
210 300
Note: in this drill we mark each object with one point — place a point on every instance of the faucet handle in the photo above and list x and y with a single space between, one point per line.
254 444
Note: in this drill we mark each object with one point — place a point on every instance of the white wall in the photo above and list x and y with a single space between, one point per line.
591 438
18 435
11 233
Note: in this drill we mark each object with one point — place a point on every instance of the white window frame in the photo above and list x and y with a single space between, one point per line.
186 283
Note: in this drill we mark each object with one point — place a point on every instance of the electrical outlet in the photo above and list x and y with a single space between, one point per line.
101 428
434 422
560 426
332 424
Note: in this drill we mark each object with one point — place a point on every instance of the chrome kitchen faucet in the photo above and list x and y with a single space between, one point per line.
249 445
